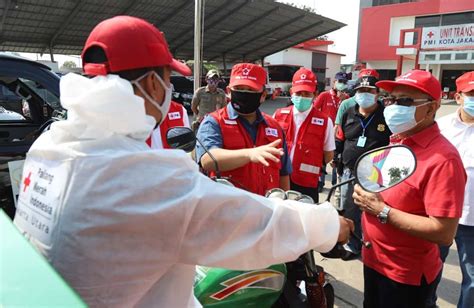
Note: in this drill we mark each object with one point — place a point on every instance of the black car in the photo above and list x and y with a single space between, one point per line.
183 91
29 98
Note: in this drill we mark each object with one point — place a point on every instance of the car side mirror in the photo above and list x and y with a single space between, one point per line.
182 138
382 168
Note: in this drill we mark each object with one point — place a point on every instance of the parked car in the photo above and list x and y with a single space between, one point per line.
183 91
29 98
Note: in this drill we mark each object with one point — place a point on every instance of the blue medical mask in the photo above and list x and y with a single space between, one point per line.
365 99
469 105
401 118
341 86
301 103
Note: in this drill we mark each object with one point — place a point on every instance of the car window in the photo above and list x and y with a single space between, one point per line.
182 84
44 93
11 105
25 100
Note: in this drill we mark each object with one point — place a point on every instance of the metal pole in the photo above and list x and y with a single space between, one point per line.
51 54
224 66
197 43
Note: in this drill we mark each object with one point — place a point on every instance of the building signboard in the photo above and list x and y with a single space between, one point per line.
448 36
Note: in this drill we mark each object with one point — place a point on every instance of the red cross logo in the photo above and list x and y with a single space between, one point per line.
26 182
430 34
245 71
303 76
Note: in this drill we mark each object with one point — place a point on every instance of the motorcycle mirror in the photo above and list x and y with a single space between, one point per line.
385 167
182 138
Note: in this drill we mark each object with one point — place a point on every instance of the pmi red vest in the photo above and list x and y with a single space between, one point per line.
308 156
175 117
252 177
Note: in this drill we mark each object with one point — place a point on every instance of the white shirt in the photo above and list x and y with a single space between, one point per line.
156 142
125 225
300 117
461 135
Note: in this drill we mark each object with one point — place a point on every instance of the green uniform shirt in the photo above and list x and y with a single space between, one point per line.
346 104
208 101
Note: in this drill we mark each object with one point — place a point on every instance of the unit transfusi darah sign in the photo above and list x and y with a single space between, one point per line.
448 36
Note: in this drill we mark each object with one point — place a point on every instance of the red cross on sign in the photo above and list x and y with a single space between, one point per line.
27 182
430 34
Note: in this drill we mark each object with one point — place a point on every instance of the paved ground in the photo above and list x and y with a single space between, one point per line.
348 281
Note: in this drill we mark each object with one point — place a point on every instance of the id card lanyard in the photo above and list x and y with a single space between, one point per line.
363 139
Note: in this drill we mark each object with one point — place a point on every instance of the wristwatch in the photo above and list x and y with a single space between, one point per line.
383 215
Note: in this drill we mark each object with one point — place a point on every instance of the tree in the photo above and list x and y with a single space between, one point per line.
68 65
396 173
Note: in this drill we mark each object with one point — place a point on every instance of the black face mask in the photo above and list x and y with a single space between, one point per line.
245 102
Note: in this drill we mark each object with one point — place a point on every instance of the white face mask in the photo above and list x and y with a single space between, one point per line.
165 105
401 118
365 99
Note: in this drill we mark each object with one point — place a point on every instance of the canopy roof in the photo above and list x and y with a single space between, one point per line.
239 29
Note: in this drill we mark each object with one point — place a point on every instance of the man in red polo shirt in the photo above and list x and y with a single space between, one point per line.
405 223
309 134
248 144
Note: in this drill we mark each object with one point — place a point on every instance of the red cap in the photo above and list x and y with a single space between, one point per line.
418 79
130 43
303 80
465 83
248 74
369 72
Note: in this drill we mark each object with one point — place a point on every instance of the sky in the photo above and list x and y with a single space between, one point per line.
345 39
345 11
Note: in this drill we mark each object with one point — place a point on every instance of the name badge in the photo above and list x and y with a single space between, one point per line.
41 188
230 122
309 168
271 132
174 115
361 141
285 111
317 121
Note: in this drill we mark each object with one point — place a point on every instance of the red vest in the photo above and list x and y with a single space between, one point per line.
309 155
253 177
175 117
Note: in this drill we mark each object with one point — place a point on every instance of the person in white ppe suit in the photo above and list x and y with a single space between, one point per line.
124 224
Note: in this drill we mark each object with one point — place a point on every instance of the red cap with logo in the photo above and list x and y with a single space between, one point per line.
248 74
418 79
303 80
369 72
465 83
130 43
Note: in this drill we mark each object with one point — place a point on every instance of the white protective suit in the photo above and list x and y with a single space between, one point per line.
125 225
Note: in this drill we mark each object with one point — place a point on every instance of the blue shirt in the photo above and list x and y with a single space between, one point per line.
210 135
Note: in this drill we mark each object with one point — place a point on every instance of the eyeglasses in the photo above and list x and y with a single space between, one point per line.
404 101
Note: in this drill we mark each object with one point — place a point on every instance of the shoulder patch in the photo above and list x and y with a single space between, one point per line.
174 115
317 121
271 132
230 122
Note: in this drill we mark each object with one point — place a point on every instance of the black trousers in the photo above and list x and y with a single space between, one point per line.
382 292
310 191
